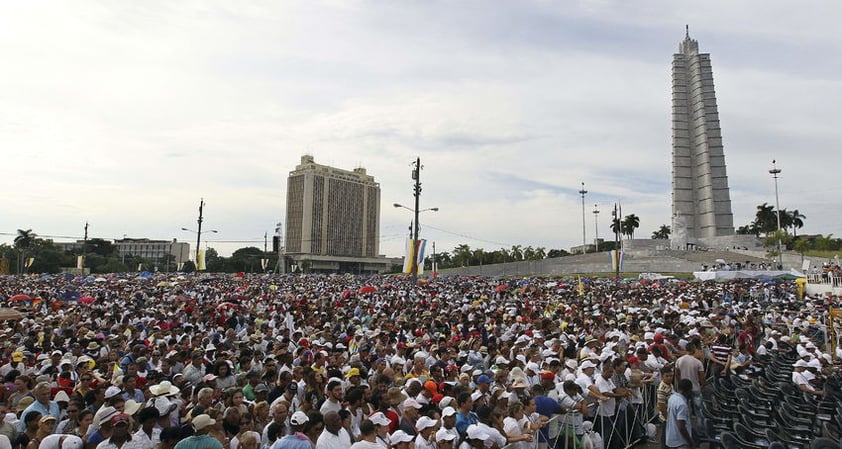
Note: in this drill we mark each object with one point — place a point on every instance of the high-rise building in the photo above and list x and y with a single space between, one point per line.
701 202
333 218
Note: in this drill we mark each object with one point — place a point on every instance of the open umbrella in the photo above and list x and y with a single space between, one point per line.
10 314
87 300
367 289
70 295
20 298
227 306
500 288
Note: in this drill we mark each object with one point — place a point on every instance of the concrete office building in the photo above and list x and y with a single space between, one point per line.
148 249
333 219
701 201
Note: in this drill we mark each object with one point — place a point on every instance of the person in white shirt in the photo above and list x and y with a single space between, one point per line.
334 436
368 437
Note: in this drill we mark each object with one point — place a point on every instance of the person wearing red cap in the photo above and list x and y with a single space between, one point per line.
121 437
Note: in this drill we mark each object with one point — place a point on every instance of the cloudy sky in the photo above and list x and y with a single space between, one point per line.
125 114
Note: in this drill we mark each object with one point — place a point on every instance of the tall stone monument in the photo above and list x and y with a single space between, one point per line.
701 201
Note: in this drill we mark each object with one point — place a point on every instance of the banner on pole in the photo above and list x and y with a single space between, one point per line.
80 262
200 264
616 259
264 263
29 262
414 251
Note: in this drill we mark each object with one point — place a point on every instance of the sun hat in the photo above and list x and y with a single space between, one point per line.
202 421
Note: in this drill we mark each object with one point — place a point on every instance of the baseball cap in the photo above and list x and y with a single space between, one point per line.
380 419
409 402
448 411
444 435
120 418
112 391
299 418
483 379
400 437
425 422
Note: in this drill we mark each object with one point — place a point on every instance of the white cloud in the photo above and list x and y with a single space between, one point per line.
125 115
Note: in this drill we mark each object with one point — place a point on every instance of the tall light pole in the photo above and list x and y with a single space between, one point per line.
584 238
413 231
596 227
775 171
199 231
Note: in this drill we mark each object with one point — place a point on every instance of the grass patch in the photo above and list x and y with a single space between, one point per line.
827 254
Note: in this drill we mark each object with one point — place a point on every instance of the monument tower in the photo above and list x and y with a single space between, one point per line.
701 202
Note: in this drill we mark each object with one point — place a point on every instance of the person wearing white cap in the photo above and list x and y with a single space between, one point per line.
409 416
426 426
444 439
801 378
295 439
202 425
381 429
448 422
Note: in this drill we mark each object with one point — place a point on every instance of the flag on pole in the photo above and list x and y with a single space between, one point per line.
80 262
616 259
581 287
200 264
414 249
264 263
29 262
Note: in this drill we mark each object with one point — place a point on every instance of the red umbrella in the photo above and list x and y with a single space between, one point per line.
500 288
367 289
346 294
227 305
87 300
20 298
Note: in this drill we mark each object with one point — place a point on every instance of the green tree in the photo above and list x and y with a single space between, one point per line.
101 247
796 220
662 233
22 242
462 255
629 224
557 253
765 219
616 226
540 253
517 253
213 262
245 259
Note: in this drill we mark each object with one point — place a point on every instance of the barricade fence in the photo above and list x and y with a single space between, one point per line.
825 279
624 429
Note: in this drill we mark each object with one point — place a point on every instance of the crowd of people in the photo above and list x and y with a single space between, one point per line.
338 362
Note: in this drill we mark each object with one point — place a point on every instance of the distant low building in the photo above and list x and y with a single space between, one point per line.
148 249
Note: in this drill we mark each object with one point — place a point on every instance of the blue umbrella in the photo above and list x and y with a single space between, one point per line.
70 295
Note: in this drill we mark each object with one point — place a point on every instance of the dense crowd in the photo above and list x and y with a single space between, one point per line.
333 362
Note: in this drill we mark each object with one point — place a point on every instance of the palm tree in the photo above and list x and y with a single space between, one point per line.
528 253
22 242
517 252
662 233
540 252
629 224
616 226
765 219
462 255
796 221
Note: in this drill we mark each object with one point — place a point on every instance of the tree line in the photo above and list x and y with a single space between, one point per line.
102 256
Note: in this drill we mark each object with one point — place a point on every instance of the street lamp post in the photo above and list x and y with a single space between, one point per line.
596 227
199 231
414 233
584 238
775 171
